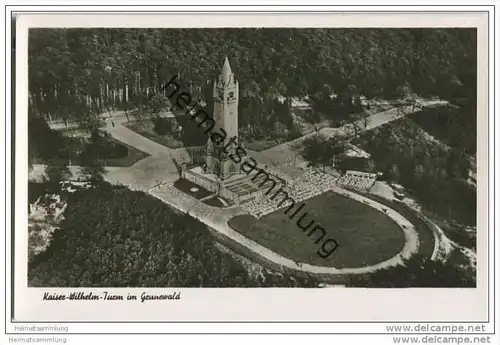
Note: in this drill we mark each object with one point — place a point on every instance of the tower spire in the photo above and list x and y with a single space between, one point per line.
226 71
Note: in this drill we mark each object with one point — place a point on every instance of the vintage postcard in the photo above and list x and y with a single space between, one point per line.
252 167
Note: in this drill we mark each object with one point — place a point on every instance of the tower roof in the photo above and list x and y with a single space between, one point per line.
226 71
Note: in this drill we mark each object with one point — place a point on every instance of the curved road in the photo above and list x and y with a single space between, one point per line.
159 168
217 219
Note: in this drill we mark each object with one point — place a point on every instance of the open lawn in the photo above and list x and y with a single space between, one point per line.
425 234
365 236
147 131
134 155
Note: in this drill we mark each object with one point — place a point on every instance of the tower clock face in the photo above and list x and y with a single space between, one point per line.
231 96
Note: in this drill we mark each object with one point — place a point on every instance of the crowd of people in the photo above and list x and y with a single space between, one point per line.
358 180
309 185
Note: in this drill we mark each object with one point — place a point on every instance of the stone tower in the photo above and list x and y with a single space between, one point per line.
226 123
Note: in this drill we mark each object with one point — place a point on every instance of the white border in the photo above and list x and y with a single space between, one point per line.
391 296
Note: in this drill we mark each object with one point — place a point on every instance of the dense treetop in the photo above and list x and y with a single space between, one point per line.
417 272
267 61
113 237
76 73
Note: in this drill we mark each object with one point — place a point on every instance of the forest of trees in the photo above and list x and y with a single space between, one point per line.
418 271
435 176
76 74
456 127
57 151
101 243
114 237
76 71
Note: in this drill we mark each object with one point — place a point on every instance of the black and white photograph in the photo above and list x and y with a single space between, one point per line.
252 157
236 167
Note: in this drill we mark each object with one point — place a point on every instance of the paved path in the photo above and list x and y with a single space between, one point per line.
217 219
287 152
159 167
128 136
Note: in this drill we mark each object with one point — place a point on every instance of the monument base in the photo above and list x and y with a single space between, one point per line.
237 188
